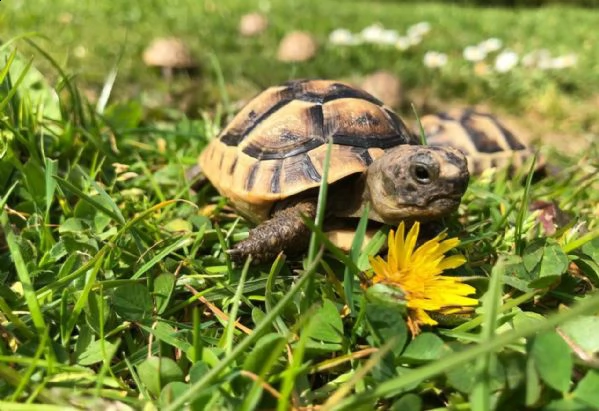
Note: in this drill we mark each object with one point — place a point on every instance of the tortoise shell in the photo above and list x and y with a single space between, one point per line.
275 147
484 140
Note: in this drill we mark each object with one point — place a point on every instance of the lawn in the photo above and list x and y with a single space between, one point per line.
115 290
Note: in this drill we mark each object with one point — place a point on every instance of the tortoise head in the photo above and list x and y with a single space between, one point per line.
417 182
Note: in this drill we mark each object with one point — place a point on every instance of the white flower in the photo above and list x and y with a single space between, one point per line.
343 37
434 59
544 59
562 62
416 32
388 37
419 29
491 45
377 34
414 40
372 33
505 61
403 43
474 53
539 58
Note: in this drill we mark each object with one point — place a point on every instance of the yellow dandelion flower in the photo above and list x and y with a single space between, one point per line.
416 272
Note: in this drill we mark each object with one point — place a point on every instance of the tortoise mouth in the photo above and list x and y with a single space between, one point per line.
433 208
445 203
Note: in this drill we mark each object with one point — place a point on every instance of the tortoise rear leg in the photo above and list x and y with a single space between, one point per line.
285 231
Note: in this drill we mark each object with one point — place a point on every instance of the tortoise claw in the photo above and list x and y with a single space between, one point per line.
235 254
239 257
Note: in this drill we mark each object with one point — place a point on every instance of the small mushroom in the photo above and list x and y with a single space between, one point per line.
385 86
297 46
170 54
252 24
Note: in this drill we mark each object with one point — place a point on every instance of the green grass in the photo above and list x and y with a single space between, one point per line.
114 287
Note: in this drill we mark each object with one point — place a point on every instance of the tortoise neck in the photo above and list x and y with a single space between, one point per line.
349 199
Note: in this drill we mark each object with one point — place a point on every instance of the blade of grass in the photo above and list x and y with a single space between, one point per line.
321 205
108 85
275 269
152 179
356 249
106 365
81 302
253 396
67 185
579 242
230 328
14 320
23 274
4 199
295 367
514 302
523 209
186 240
49 171
104 196
195 388
198 344
7 65
480 398
143 392
27 373
220 80
73 91
372 362
332 248
223 247
306 302
13 88
395 386
420 128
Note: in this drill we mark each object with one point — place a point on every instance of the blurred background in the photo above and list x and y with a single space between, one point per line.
534 62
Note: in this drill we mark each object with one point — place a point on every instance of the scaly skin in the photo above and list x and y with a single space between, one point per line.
285 231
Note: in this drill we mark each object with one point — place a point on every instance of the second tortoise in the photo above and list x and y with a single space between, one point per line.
486 141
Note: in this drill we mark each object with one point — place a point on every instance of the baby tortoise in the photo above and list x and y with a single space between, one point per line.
269 162
483 138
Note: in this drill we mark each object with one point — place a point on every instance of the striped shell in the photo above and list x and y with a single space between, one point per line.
484 140
275 146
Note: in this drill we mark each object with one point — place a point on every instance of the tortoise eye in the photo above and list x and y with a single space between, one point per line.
424 173
423 168
421 173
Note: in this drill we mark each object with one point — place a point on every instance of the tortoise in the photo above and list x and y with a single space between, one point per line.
482 137
269 162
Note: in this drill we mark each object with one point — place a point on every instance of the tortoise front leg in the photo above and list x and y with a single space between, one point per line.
285 231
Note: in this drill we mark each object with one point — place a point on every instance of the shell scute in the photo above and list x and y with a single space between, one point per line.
296 129
351 122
